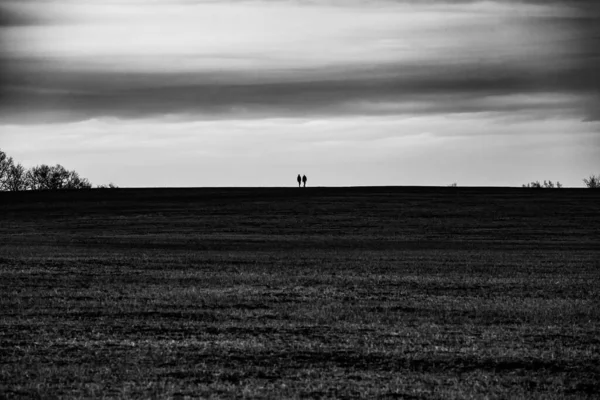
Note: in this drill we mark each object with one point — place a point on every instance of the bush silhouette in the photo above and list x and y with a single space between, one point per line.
109 186
44 177
14 177
593 182
544 185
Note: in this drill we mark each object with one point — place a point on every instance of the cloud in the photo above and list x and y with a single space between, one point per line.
256 59
252 92
388 90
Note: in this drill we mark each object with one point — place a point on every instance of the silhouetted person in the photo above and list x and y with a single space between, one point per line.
299 180
304 180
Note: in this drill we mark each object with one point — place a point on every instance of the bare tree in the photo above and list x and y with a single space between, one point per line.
5 165
59 176
74 181
44 177
593 182
535 185
39 177
16 178
544 185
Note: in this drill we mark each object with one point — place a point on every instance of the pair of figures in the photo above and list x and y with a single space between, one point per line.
303 180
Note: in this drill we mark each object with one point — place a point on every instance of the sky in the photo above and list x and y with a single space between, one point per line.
153 93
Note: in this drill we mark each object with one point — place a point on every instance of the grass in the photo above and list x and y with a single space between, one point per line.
413 293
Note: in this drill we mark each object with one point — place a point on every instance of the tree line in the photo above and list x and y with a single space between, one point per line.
14 177
592 182
546 185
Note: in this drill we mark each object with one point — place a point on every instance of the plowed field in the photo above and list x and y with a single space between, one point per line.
382 292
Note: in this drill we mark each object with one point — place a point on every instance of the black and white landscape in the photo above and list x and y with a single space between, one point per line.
299 199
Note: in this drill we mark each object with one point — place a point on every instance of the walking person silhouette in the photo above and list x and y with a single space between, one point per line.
304 180
299 180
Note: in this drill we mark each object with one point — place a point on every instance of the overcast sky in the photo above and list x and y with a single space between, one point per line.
348 92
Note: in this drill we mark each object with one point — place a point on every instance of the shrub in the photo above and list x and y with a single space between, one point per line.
14 177
545 185
109 186
44 177
5 166
593 182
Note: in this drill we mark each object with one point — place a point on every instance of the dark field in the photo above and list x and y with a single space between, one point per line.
413 293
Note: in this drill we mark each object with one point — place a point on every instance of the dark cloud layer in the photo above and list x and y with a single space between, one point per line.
386 90
36 90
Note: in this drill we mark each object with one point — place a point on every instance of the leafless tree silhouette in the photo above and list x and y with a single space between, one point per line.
593 182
